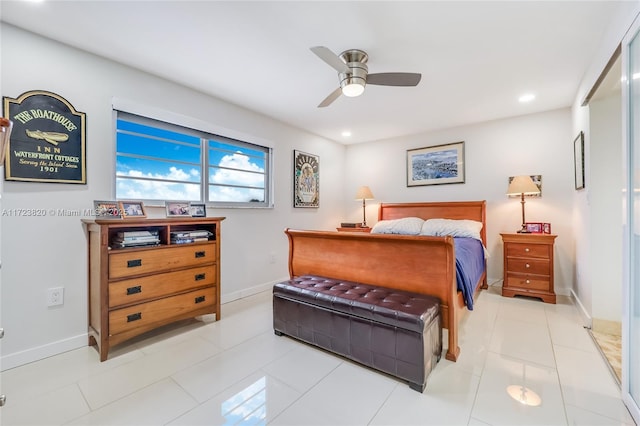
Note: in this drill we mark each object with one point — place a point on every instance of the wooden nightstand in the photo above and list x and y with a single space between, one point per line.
528 266
367 229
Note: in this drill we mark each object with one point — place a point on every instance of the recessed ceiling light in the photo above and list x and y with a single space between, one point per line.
528 97
346 133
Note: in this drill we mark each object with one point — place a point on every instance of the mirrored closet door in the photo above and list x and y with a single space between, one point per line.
631 323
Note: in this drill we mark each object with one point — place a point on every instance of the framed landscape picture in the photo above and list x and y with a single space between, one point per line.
436 165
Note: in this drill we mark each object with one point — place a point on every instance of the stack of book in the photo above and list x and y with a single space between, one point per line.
183 237
350 225
136 238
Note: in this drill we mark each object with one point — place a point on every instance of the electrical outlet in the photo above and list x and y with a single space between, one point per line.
55 296
272 258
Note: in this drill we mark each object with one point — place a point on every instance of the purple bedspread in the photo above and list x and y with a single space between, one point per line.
470 265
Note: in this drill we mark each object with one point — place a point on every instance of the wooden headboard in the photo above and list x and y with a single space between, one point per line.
473 210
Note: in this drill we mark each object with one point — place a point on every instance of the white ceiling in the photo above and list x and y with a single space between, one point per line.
476 57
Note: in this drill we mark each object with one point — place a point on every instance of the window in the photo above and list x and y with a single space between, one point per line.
156 160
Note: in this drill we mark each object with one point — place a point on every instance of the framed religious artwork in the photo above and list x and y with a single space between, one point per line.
436 165
306 179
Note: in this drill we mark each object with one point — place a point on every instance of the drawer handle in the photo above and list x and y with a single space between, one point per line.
200 299
134 317
134 290
200 277
134 263
200 254
527 265
527 249
527 281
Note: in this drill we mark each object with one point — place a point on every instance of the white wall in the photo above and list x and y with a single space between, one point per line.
50 251
540 144
605 204
583 286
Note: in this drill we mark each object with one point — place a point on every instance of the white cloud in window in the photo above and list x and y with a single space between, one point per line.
241 161
158 190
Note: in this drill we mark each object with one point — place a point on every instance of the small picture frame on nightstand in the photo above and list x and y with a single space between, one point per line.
546 228
534 227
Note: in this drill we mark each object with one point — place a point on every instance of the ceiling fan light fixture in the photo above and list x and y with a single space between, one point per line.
353 86
352 90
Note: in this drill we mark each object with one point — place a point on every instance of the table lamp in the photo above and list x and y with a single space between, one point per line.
364 193
521 185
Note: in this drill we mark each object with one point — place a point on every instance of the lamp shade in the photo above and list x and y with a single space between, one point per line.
522 185
364 193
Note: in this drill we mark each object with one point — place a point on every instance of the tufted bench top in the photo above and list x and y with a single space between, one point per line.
403 309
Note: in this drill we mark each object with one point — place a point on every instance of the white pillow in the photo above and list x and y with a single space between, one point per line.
406 226
455 228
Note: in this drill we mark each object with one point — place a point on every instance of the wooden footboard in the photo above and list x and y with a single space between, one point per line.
414 263
419 264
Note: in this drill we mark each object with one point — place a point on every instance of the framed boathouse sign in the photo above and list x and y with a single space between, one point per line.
47 143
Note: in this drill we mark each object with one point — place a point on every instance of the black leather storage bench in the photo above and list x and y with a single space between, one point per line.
393 331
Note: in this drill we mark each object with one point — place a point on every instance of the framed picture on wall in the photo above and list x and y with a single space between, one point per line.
306 180
578 160
436 165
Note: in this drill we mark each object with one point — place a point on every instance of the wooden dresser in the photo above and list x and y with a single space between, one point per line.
528 266
133 290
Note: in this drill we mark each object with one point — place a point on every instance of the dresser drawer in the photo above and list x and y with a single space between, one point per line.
540 251
136 290
526 282
129 263
529 266
145 315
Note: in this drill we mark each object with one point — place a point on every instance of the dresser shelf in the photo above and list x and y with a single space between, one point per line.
133 290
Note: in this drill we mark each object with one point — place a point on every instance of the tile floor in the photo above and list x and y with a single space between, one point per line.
237 371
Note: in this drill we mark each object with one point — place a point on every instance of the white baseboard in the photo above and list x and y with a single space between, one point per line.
41 352
17 359
587 321
230 297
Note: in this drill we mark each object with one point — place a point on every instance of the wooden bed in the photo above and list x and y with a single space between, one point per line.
420 264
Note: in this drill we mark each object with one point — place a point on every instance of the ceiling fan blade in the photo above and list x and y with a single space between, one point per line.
394 79
332 97
330 58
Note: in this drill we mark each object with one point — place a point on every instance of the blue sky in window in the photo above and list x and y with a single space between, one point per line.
176 156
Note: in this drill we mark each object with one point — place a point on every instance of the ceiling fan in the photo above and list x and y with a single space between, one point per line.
354 74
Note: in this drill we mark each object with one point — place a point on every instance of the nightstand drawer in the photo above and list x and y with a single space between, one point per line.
526 282
540 251
528 266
